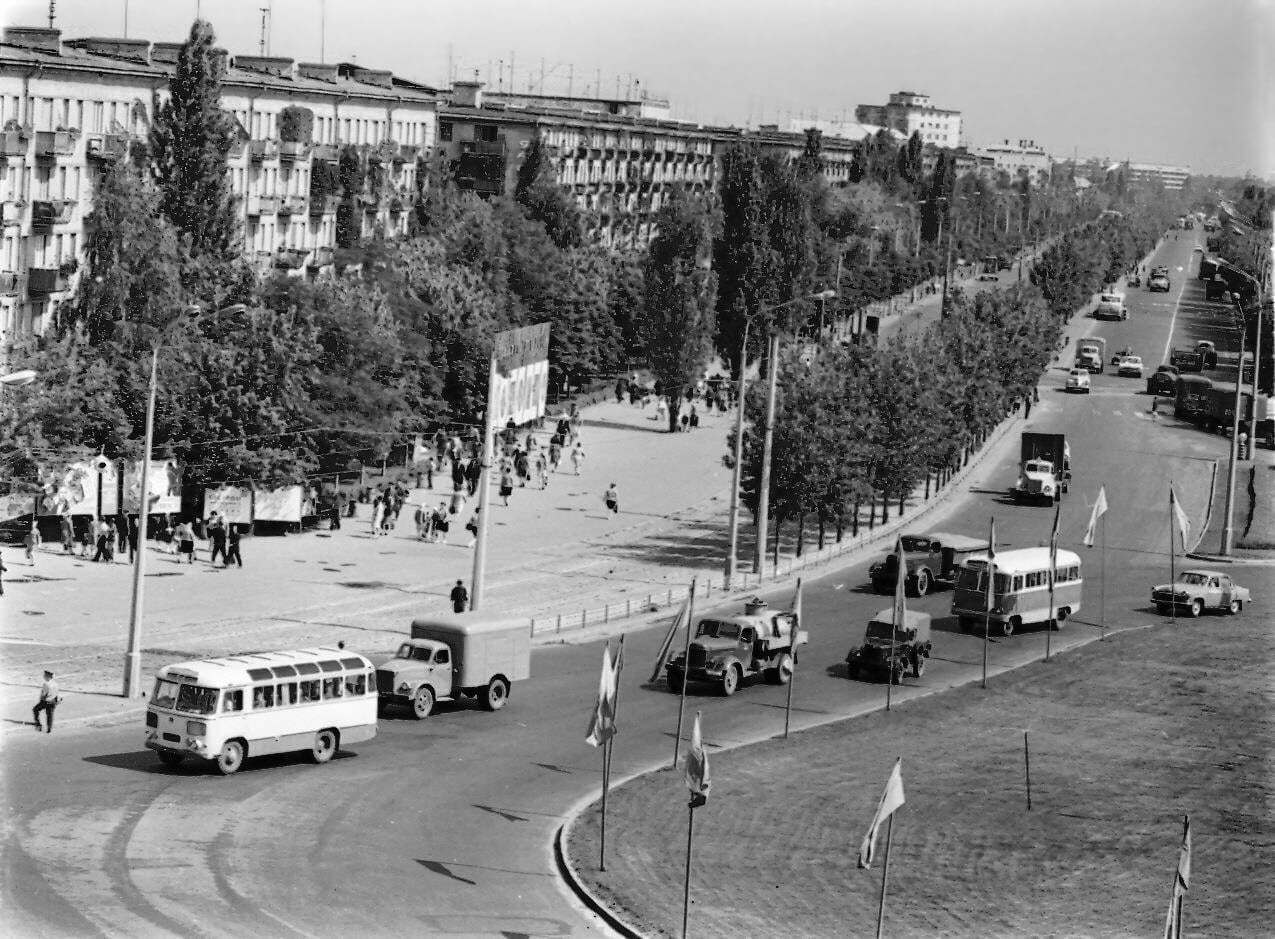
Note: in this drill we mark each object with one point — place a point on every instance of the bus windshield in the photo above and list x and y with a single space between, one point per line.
191 699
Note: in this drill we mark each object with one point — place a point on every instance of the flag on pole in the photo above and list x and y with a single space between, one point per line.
1181 881
1099 510
900 586
697 777
602 723
1053 546
1183 523
796 601
891 799
991 567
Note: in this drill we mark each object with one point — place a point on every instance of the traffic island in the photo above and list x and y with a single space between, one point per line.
1115 764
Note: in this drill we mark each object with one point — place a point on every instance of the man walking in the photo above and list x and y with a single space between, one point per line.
460 598
216 535
48 701
612 499
232 539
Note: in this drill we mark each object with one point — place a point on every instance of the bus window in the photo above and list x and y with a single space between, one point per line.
287 693
332 688
1018 582
194 699
263 697
165 695
355 684
231 701
310 690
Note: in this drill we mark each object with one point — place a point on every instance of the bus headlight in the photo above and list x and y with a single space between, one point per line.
196 728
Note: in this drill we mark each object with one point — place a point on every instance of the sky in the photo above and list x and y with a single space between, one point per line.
1189 82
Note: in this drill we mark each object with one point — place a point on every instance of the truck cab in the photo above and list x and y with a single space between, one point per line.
888 650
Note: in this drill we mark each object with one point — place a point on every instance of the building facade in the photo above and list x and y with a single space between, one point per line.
1173 178
69 109
1023 157
909 112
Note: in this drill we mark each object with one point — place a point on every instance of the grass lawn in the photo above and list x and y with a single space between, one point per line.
1127 736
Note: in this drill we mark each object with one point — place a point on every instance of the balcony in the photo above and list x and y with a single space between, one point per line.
107 147
8 283
13 143
259 150
292 205
291 259
42 281
325 152
291 151
43 216
323 205
263 205
406 153
14 211
50 144
322 257
485 147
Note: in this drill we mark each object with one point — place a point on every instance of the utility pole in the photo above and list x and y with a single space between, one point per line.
323 30
763 490
52 11
261 41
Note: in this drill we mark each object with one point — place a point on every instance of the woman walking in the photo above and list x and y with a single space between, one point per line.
185 536
577 456
506 486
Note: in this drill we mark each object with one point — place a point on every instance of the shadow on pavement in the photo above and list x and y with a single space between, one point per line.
145 761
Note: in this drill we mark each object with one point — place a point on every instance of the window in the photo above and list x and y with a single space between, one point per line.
332 688
263 697
287 694
231 701
485 133
194 699
442 657
310 690
355 684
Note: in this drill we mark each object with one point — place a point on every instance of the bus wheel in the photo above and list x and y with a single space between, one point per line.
1060 617
1007 627
231 757
423 702
496 694
325 746
171 758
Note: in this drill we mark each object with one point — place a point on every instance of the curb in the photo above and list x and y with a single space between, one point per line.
579 888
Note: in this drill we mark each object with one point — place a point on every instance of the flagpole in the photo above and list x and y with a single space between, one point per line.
686 674
616 666
987 600
690 840
1102 592
885 875
1173 561
606 784
792 676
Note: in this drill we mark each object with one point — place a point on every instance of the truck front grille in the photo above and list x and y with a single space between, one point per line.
384 680
697 658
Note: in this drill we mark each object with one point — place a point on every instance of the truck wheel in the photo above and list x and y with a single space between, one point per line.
1060 617
918 666
1197 607
423 702
730 681
783 670
1235 607
674 680
1007 627
325 746
496 694
922 582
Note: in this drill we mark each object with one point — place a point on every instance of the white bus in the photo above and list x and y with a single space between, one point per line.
228 709
1021 590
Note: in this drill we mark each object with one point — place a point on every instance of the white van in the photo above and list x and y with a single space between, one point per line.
1111 307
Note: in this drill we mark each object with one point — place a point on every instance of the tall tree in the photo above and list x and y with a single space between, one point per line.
538 192
681 291
190 139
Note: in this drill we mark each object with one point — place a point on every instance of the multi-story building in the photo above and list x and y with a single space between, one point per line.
70 108
1023 157
1172 177
909 112
964 161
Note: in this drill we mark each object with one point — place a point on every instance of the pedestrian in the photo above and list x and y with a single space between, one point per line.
458 471
694 417
49 699
456 506
185 535
430 466
522 467
216 529
99 541
542 469
506 486
86 539
555 454
473 474
336 512
472 527
121 531
32 541
661 411
109 541
420 518
166 533
460 598
441 525
1027 406
232 541
376 516
2 572
68 533
612 499
577 456
133 534
621 386
1035 394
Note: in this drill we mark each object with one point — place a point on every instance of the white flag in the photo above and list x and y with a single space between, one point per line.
891 799
697 776
1181 882
1184 525
602 723
1099 510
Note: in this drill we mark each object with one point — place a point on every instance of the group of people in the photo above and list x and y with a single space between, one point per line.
711 391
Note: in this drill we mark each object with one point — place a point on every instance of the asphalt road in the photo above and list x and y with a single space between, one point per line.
444 827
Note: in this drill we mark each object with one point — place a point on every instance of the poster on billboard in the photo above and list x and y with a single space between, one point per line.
277 505
522 374
73 489
15 506
233 503
163 486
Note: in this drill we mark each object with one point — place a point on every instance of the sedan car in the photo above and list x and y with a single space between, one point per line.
1129 366
1197 591
1078 381
1158 282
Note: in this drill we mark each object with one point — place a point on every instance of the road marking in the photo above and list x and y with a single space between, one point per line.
1168 342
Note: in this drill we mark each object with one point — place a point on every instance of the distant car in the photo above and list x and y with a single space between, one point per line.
1111 307
1164 381
1078 381
1129 366
1198 591
1159 283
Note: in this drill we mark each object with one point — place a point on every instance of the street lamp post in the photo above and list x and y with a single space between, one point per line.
133 657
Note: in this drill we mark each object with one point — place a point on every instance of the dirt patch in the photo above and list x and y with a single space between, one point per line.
1127 736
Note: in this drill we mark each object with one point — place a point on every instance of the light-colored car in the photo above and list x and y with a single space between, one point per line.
1129 366
1201 590
1111 306
1158 282
1078 381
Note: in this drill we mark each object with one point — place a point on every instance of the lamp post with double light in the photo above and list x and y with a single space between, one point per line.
133 657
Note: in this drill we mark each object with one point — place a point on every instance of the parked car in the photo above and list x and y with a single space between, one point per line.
1201 590
1164 381
1078 381
1129 366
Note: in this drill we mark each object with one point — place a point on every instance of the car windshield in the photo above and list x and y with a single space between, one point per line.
915 543
191 699
1111 298
409 651
717 629
1193 578
885 631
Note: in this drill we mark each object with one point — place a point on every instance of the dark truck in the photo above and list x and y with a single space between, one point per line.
931 559
1187 360
1192 400
1044 469
725 650
888 651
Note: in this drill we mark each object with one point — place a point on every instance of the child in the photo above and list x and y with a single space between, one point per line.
472 527
31 542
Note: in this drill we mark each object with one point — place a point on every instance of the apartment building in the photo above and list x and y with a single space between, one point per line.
1023 157
910 112
1173 178
70 108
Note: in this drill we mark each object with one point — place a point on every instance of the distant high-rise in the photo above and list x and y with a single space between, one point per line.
909 112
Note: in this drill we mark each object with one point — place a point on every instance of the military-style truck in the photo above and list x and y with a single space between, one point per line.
725 650
449 657
1044 469
931 560
1091 354
890 650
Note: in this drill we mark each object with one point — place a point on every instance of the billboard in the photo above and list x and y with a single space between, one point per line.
277 505
73 490
234 503
163 487
522 374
